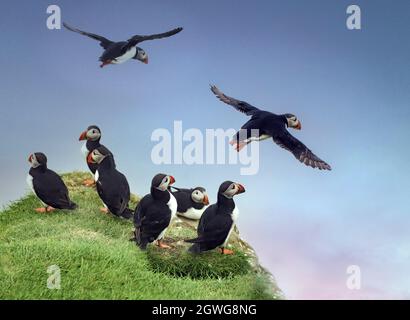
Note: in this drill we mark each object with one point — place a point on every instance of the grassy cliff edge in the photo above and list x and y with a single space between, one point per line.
97 260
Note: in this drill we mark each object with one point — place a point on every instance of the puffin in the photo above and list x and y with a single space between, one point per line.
191 202
47 185
218 221
155 212
112 185
122 51
92 136
264 125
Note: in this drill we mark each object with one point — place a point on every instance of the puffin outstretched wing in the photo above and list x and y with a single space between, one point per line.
300 151
138 38
104 42
239 105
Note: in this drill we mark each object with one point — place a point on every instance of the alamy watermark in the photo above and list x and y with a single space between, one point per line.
192 146
54 279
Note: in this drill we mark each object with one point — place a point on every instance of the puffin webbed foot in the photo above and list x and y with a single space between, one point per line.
104 210
162 245
88 183
226 251
45 209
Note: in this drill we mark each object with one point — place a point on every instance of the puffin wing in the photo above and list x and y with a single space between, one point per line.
214 230
53 191
138 38
104 42
239 105
300 151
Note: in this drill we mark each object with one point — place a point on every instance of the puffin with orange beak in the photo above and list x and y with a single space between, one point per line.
120 52
264 125
191 202
92 136
155 213
218 221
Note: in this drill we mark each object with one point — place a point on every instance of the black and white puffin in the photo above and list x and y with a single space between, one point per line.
92 136
218 220
191 202
47 185
264 125
112 185
155 212
119 52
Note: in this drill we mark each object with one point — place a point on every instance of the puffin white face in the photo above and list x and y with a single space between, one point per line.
93 134
33 161
199 196
233 189
166 182
293 122
95 157
142 56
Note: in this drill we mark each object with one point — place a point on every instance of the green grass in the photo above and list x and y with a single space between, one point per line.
97 260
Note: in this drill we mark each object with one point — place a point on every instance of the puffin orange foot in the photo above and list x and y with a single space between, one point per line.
50 209
88 182
104 210
41 210
162 245
226 251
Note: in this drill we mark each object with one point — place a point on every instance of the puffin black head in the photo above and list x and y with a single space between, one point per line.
141 55
98 155
199 195
292 121
92 133
229 189
37 159
162 182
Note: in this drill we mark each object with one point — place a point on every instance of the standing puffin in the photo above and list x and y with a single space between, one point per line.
191 202
264 125
119 52
47 185
92 136
155 212
112 185
218 220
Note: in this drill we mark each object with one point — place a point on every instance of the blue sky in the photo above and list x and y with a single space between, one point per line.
350 89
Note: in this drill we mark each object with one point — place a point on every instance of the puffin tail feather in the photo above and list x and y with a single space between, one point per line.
72 206
195 249
141 243
127 214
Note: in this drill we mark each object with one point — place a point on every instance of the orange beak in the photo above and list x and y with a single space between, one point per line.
145 60
205 201
30 158
241 188
299 126
83 136
90 158
172 180
104 63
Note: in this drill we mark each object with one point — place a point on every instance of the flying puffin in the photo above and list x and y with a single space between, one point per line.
191 202
47 185
92 136
112 185
155 212
264 125
218 220
119 52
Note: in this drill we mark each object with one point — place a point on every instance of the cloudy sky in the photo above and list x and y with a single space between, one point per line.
350 89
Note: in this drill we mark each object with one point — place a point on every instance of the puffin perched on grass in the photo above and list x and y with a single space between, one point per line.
92 136
119 52
218 220
47 185
191 202
112 185
155 212
264 125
